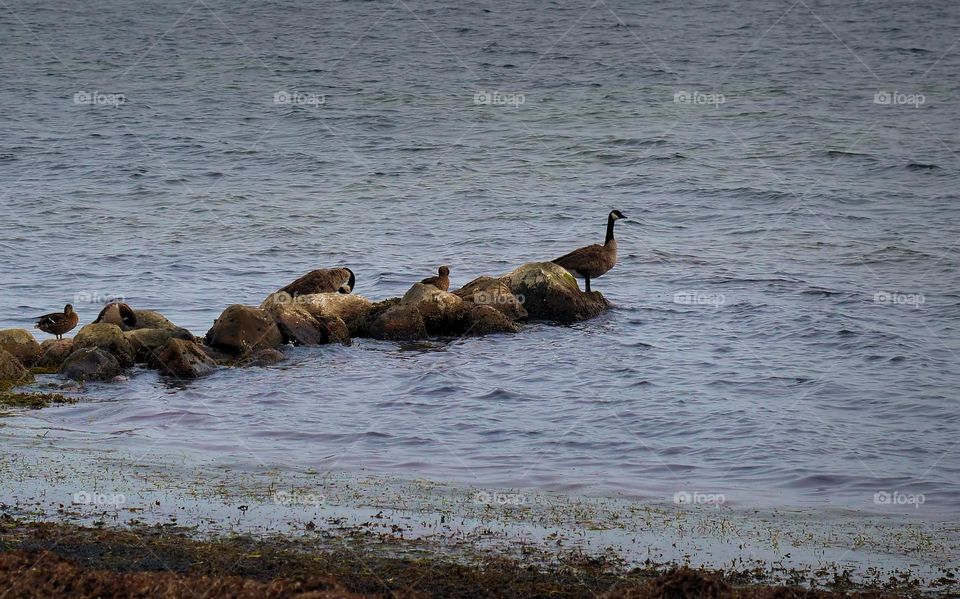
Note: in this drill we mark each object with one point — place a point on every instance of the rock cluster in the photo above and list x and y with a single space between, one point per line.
253 336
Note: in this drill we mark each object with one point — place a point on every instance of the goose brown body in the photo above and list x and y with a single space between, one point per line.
58 323
323 280
117 313
441 281
594 260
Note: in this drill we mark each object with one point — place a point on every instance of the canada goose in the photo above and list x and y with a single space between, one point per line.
592 261
324 280
441 281
58 323
118 313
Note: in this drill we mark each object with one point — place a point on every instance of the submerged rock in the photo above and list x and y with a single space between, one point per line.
183 359
54 352
21 344
550 292
263 357
490 291
241 329
107 337
12 371
91 364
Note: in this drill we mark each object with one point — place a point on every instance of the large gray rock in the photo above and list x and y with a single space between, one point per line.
443 313
21 344
108 337
90 364
550 292
183 359
343 306
54 352
241 329
12 371
490 291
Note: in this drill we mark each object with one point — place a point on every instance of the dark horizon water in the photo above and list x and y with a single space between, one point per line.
793 166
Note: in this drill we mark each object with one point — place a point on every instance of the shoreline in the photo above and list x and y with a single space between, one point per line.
87 493
39 559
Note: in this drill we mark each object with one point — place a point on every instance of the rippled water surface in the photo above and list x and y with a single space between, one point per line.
816 227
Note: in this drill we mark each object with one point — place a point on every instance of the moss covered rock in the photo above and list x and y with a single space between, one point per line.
490 291
12 371
108 337
551 293
21 344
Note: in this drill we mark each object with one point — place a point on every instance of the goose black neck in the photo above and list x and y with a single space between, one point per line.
610 221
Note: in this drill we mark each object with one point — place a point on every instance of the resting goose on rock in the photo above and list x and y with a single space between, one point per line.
119 314
592 261
324 280
58 323
441 281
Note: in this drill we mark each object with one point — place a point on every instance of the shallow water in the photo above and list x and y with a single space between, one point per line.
786 210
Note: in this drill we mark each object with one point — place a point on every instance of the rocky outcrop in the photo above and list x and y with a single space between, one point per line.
487 320
241 329
12 371
551 293
183 359
91 364
21 344
491 291
107 337
54 352
398 323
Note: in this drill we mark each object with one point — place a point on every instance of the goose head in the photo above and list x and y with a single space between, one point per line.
348 286
616 215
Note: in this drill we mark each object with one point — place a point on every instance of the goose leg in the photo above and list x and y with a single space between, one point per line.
587 279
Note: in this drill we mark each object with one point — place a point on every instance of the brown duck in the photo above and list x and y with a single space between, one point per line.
441 281
324 280
58 323
592 261
118 313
